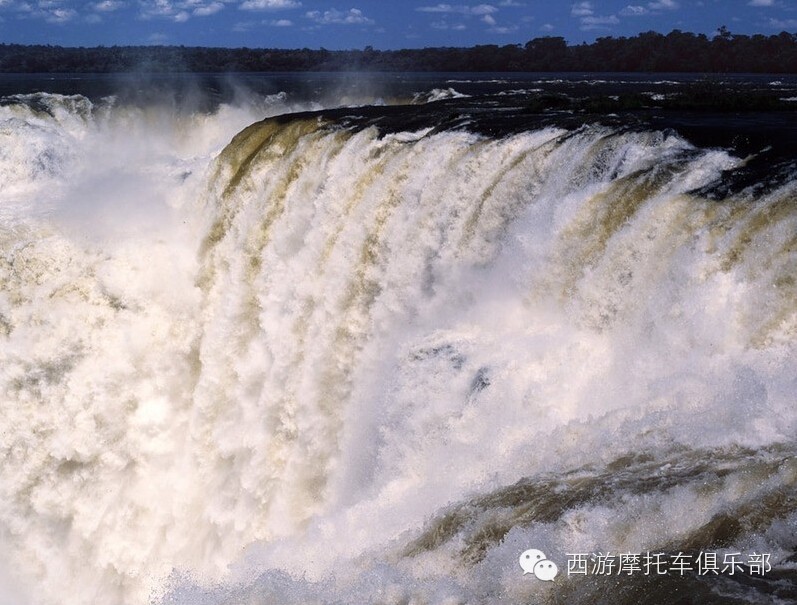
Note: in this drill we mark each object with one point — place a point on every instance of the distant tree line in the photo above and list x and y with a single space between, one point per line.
647 52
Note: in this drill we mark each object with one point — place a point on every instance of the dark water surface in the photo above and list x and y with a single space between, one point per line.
322 86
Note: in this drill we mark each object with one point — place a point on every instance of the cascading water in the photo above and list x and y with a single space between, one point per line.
337 363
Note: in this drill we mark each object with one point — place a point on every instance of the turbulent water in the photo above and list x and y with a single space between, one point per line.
371 355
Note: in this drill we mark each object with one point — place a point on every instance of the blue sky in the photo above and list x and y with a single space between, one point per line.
382 24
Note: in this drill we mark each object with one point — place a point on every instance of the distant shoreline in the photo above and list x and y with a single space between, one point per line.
649 52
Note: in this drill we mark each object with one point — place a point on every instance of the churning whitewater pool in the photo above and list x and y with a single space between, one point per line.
377 354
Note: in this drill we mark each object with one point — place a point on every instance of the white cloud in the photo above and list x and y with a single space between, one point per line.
47 10
582 9
482 9
589 23
484 12
179 12
503 29
60 15
547 27
443 25
210 9
510 3
461 9
761 3
281 23
585 12
107 6
269 5
634 11
783 24
157 8
440 8
663 5
353 16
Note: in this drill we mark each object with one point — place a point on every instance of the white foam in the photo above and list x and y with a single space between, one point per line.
291 371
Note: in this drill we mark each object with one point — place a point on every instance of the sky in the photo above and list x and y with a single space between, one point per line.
383 24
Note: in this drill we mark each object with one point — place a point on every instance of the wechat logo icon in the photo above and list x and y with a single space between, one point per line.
534 561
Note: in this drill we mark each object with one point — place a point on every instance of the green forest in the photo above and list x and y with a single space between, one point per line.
677 51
